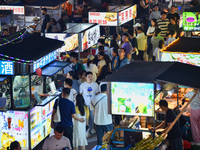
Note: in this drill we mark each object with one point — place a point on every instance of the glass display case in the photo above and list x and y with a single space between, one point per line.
21 91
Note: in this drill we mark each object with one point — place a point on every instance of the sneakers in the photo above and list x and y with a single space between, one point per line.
88 133
92 131
195 144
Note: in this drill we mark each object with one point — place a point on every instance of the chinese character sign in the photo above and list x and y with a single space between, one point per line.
90 37
103 18
17 10
127 14
6 68
191 21
45 60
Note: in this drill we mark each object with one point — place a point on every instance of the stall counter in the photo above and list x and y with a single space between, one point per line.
28 127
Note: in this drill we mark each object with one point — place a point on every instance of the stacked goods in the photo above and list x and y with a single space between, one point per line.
148 144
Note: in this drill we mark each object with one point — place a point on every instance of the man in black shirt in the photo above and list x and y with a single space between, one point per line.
173 13
46 21
174 136
62 22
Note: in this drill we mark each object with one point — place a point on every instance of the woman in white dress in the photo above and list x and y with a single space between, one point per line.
79 128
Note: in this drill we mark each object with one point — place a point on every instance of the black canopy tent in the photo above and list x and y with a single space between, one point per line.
194 9
47 3
149 72
184 44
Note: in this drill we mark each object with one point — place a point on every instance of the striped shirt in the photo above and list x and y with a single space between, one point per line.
163 25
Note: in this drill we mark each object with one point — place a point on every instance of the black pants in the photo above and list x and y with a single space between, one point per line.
175 144
100 129
68 132
141 55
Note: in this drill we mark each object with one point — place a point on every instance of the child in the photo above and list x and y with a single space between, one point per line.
156 53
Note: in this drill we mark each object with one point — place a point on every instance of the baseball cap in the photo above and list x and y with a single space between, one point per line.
35 19
137 25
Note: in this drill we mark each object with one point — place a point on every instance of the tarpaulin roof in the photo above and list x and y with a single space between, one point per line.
4 13
30 47
194 9
184 44
149 72
50 3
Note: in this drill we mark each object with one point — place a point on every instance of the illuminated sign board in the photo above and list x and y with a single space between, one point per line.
90 37
127 14
103 18
192 59
113 18
6 68
40 122
17 10
191 21
71 41
45 60
14 126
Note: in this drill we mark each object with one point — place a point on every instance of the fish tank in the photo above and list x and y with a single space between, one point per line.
132 98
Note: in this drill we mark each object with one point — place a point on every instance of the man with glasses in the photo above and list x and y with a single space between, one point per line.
120 60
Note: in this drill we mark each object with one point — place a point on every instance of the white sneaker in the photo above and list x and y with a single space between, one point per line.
92 131
87 133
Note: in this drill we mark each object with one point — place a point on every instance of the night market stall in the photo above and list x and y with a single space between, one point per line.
78 36
135 89
184 49
28 68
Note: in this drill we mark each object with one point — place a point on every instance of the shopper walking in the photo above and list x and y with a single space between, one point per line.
155 39
142 43
91 67
163 23
57 141
102 119
68 84
127 46
82 111
71 75
67 112
14 146
89 89
195 116
46 22
150 34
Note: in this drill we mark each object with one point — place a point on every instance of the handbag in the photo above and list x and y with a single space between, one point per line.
57 114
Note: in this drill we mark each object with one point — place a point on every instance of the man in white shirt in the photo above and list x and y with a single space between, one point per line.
68 84
89 89
142 43
57 141
102 119
155 14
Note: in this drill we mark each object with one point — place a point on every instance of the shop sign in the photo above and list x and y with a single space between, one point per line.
17 10
103 18
127 14
90 37
191 21
45 60
6 68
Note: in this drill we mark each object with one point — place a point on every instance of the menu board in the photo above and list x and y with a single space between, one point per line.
132 98
191 21
17 10
192 59
103 18
14 126
40 122
127 14
90 37
6 68
45 60
70 40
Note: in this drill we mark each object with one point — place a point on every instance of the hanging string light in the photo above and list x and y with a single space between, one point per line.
19 37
